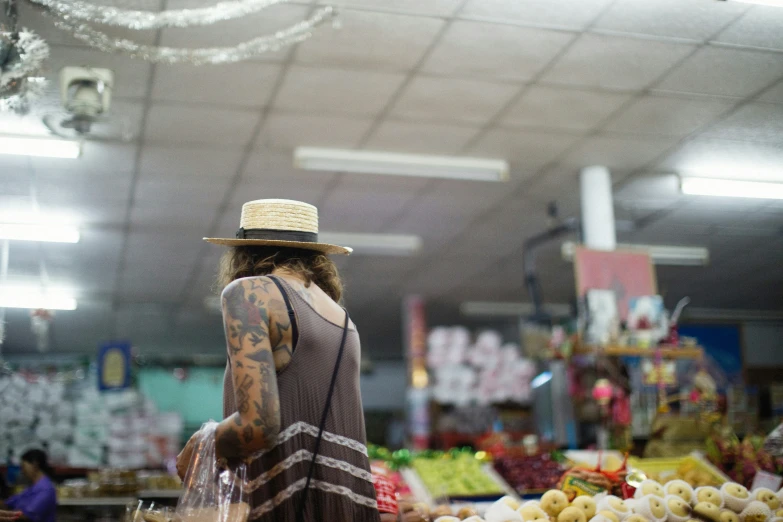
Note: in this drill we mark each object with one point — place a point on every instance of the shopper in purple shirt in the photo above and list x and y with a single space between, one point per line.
38 503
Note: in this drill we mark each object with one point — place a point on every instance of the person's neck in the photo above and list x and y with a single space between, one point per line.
38 476
288 274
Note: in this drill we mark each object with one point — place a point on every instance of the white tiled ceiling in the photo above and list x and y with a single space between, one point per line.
491 51
440 99
693 19
379 34
337 91
613 62
558 108
251 84
650 89
668 116
574 14
725 71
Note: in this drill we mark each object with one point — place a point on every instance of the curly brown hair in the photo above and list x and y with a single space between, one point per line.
312 266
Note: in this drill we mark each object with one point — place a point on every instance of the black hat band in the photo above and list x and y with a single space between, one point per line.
277 235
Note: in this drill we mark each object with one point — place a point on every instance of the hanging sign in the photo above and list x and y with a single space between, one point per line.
114 366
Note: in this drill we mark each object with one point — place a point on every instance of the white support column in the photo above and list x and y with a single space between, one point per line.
597 208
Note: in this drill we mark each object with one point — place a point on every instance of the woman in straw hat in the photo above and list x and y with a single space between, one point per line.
292 405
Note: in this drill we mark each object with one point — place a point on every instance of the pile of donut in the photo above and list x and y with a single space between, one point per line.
676 501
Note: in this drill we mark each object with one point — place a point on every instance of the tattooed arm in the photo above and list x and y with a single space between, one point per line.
246 320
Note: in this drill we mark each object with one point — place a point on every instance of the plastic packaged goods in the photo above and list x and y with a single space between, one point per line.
211 493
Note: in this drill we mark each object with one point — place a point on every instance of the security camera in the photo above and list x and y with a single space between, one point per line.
86 91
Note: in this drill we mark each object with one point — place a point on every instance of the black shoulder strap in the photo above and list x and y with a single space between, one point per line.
291 314
303 502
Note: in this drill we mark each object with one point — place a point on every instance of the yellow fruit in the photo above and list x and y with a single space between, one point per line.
768 497
611 516
511 502
677 507
553 502
586 504
530 512
572 514
679 488
650 487
729 516
466 512
709 494
635 518
707 511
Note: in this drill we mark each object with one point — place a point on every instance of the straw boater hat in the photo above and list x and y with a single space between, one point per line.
279 222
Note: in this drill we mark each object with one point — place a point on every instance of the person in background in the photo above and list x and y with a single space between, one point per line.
38 503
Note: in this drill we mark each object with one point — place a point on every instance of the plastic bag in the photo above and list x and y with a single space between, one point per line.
212 494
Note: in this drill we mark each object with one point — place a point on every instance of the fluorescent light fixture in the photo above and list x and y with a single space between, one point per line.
40 147
773 3
541 379
731 188
36 297
660 254
49 233
374 244
510 309
368 162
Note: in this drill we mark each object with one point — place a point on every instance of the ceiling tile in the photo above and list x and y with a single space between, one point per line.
557 108
696 19
668 116
428 7
529 150
494 51
173 124
366 203
617 153
283 130
615 62
187 163
565 13
273 166
82 188
230 33
371 41
420 138
131 77
727 159
249 84
724 71
185 213
336 91
445 99
757 122
199 193
760 27
96 158
774 94
147 248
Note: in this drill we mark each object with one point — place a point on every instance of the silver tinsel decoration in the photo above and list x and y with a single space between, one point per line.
25 53
147 20
212 55
78 17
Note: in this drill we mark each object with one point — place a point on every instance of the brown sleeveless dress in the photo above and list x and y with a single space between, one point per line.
342 488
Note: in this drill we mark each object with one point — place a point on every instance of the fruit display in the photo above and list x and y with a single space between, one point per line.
667 503
530 474
741 460
689 471
456 476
